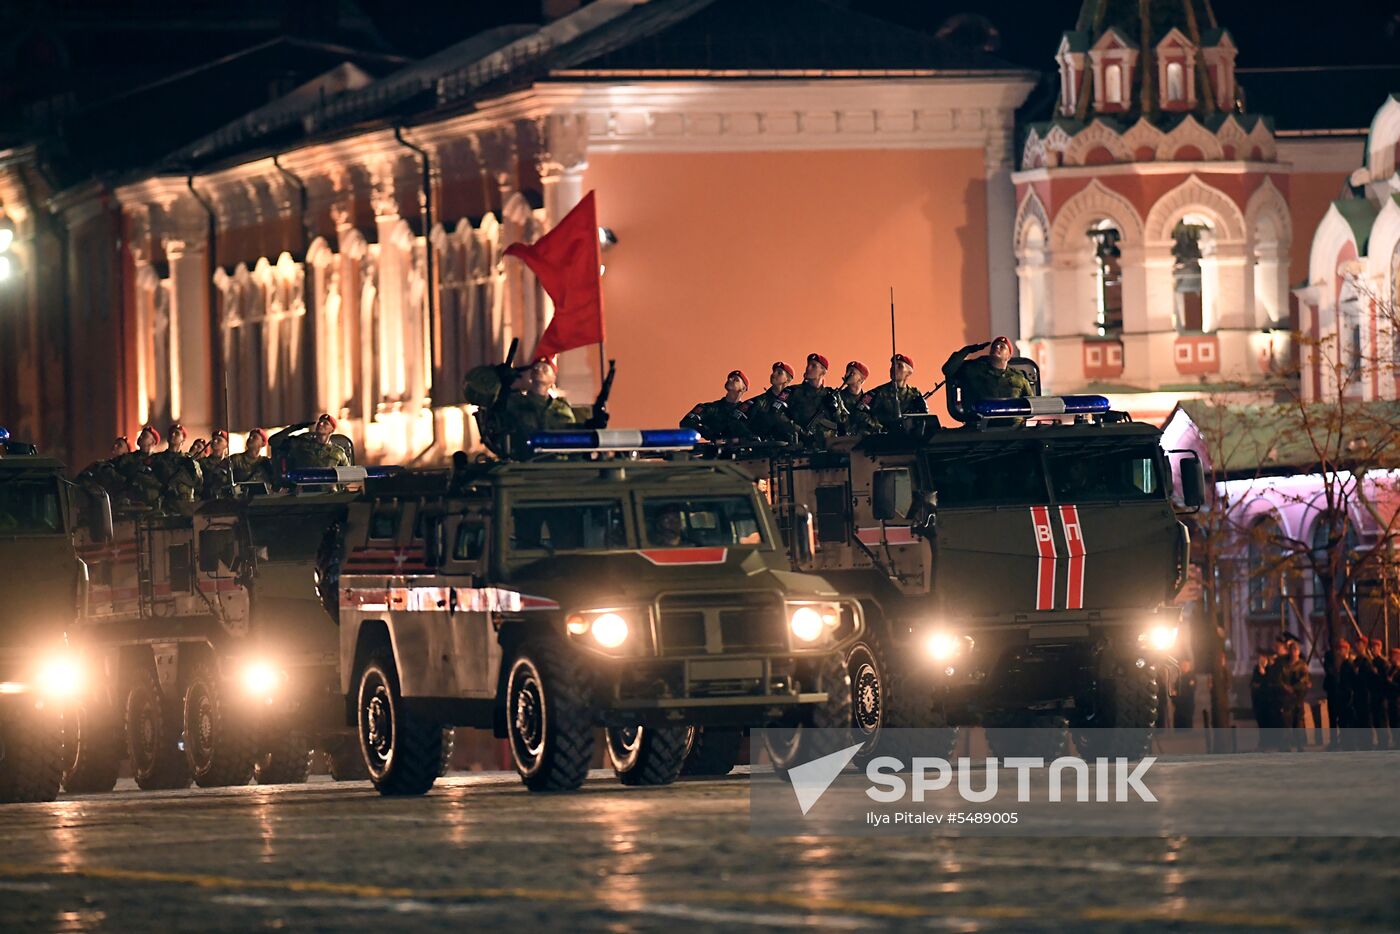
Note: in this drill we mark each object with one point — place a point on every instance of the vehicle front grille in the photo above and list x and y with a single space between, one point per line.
720 624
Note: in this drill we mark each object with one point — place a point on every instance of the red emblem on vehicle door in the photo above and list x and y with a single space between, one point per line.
1074 543
1045 568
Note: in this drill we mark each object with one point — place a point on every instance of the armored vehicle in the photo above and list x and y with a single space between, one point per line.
545 598
39 592
1010 576
213 658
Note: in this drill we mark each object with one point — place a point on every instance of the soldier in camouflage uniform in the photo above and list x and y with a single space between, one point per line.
724 419
767 413
891 401
536 409
988 377
252 466
315 449
104 475
858 420
218 476
141 486
813 407
177 471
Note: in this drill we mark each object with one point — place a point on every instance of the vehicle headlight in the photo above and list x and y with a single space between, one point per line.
810 622
1159 638
261 678
609 630
59 676
942 645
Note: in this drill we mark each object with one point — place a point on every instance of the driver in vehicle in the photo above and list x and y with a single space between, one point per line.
668 529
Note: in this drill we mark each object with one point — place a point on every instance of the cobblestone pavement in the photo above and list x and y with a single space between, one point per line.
481 851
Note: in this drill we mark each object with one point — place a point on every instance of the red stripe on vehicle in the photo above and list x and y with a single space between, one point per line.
1074 542
687 555
899 535
1045 566
870 535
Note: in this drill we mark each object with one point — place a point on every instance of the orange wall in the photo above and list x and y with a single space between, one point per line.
731 260
1310 194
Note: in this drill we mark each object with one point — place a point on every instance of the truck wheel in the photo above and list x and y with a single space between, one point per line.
825 728
92 749
31 755
345 761
1125 710
712 751
547 718
152 739
884 696
288 762
219 740
449 746
647 755
403 751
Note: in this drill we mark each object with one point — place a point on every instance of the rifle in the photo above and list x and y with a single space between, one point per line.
505 372
599 418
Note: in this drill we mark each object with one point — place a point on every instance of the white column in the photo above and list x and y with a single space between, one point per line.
191 346
1001 218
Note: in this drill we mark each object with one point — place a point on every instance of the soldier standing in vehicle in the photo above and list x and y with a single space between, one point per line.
537 409
858 420
768 415
252 466
215 466
178 471
891 401
315 449
988 377
725 418
141 485
813 407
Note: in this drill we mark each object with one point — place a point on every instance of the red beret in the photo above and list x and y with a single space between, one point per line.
328 417
818 358
859 368
780 365
259 431
151 429
901 358
219 433
740 374
1004 338
546 360
174 427
123 442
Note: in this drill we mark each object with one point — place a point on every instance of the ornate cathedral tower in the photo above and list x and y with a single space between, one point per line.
1152 229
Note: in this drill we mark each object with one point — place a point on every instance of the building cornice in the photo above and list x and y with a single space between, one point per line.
1026 176
161 189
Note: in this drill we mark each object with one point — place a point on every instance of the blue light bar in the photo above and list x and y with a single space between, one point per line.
4 434
615 439
340 474
1041 405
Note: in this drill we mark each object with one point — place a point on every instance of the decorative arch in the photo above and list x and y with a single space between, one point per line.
1030 215
319 254
1268 204
1382 244
353 244
1095 202
1194 196
1189 133
1033 153
1142 135
1093 136
1332 235
1384 139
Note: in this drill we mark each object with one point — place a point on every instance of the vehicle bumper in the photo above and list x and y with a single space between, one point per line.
733 691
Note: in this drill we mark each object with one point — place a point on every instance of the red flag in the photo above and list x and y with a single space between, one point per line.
565 260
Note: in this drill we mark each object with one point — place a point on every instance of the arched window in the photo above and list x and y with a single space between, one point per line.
1190 286
1333 542
1108 278
1113 84
1268 559
1176 82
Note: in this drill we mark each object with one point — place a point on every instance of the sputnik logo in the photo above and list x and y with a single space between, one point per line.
810 780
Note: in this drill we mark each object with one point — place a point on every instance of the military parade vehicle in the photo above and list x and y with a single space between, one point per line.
585 587
211 655
39 590
1013 576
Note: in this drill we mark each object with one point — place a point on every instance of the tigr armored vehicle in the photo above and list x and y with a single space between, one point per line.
548 597
39 591
1010 576
213 656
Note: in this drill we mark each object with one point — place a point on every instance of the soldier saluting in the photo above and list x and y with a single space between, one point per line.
724 419
768 415
988 377
314 449
891 401
537 408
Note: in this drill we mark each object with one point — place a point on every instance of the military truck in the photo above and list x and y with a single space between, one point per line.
587 587
212 656
39 672
1010 576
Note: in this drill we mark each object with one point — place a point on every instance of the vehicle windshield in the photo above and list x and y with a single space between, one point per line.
1101 474
551 527
988 475
700 521
29 507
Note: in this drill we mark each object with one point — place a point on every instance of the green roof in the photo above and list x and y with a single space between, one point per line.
1253 440
1360 214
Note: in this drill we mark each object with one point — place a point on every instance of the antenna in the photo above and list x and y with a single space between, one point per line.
893 351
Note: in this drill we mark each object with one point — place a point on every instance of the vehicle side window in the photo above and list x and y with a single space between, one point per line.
471 542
